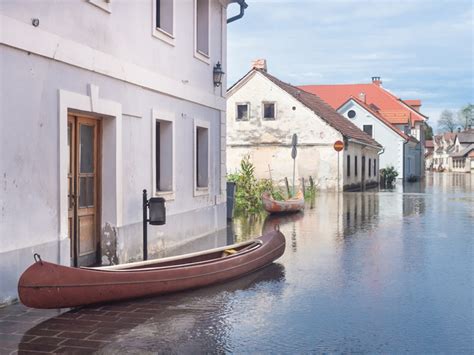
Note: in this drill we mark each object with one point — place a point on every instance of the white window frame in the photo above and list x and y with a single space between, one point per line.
274 110
237 111
158 115
206 58
102 4
159 32
201 191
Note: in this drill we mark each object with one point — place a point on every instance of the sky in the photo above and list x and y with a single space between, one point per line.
421 49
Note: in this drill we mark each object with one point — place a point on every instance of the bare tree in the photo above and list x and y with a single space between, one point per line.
466 116
446 121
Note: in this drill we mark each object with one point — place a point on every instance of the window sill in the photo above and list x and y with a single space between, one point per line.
201 191
167 195
164 36
202 57
101 4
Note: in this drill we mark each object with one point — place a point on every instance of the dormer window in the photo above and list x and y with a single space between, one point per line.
269 111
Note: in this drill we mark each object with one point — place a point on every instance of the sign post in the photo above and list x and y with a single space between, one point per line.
294 143
338 146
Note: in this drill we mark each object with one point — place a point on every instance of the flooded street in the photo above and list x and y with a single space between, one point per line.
365 272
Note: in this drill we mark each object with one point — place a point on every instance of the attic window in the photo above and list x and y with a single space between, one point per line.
242 113
268 110
368 129
351 114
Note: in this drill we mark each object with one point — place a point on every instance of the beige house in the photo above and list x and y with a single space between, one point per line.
443 146
462 157
262 115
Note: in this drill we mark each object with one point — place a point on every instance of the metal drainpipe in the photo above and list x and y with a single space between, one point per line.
243 6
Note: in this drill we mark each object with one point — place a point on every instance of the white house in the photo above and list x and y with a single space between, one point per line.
262 115
100 100
404 115
443 147
462 156
399 149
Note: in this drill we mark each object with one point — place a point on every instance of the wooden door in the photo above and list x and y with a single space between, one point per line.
83 183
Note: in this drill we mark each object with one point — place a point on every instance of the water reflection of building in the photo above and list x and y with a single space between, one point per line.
360 211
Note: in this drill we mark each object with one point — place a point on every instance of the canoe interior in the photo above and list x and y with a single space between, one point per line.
199 257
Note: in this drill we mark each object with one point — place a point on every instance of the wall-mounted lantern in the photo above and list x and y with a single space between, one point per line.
154 212
217 74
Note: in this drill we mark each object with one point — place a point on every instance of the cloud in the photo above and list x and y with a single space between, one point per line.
420 48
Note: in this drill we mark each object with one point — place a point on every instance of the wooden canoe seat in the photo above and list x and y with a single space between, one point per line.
228 252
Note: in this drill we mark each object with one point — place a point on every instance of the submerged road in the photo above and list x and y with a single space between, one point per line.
383 272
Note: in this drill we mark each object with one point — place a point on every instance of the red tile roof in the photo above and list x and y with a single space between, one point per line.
324 111
379 116
395 110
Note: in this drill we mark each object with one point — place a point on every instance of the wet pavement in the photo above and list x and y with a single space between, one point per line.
373 272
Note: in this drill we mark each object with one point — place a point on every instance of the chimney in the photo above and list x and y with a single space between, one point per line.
259 64
362 97
376 80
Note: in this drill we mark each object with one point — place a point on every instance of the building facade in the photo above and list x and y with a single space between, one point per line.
404 115
102 99
399 149
462 156
262 115
443 146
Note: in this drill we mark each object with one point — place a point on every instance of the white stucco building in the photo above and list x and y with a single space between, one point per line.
462 156
399 149
404 115
100 100
262 115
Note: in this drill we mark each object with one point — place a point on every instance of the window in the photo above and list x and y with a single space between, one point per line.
102 4
351 114
355 166
348 165
375 167
368 129
242 112
202 29
201 158
163 20
268 110
163 154
370 166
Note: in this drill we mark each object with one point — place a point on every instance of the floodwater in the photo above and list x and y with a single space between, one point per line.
373 272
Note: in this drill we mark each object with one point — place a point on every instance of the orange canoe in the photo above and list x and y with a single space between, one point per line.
48 285
293 204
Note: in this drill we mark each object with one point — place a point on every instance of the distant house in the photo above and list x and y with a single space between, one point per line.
404 115
262 115
443 146
429 149
400 149
462 156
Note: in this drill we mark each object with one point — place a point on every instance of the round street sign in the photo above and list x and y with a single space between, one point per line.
338 146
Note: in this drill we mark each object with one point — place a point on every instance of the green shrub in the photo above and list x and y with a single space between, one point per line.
388 176
248 189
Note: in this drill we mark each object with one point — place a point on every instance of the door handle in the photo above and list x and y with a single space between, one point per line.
73 199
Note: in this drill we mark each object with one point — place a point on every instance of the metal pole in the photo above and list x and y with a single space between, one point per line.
145 226
294 166
338 171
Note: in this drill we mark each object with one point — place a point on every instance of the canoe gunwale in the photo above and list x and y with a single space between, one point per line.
138 264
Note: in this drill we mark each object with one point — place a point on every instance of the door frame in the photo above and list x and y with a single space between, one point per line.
111 113
74 238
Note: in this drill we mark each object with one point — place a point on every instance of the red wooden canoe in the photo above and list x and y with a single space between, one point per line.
293 204
48 285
